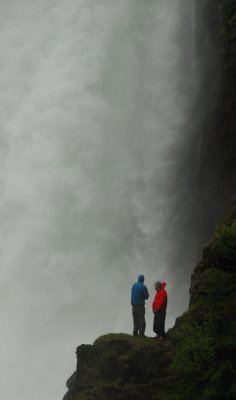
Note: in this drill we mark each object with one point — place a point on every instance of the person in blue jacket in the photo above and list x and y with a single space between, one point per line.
139 294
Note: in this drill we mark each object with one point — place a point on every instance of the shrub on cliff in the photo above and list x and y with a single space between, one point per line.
204 364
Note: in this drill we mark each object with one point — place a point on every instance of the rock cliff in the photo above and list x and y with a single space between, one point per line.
198 360
212 161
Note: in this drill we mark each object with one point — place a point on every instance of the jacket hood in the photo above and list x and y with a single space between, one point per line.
141 278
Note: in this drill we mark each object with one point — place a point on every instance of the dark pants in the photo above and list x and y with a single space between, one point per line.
139 320
159 323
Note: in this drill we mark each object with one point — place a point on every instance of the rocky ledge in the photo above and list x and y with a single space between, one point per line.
198 360
119 366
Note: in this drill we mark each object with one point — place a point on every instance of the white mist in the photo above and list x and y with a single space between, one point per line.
93 97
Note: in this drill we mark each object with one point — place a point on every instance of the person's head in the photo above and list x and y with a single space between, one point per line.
158 285
141 278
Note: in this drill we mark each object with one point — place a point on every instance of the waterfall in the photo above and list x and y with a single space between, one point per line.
94 98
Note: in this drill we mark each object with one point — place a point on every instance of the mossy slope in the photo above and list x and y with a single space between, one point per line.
204 337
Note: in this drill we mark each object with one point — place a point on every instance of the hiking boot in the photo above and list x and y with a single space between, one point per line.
161 338
142 335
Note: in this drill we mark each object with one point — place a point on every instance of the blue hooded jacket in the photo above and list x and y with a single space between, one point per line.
139 292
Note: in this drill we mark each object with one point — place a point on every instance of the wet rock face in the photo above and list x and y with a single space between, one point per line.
217 169
211 153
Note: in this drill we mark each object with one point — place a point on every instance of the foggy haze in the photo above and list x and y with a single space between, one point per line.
93 98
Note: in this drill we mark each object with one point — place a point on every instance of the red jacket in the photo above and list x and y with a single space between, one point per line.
160 299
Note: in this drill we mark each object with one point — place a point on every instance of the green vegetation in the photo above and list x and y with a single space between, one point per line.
204 363
224 242
194 354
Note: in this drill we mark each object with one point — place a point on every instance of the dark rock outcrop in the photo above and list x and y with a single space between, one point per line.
119 366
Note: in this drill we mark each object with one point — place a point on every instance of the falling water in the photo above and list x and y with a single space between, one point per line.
94 96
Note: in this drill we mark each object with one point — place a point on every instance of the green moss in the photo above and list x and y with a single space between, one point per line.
126 341
204 337
195 352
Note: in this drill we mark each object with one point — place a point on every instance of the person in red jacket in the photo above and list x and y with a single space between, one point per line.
159 306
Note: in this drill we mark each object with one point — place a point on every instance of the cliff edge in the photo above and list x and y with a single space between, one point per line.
198 360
